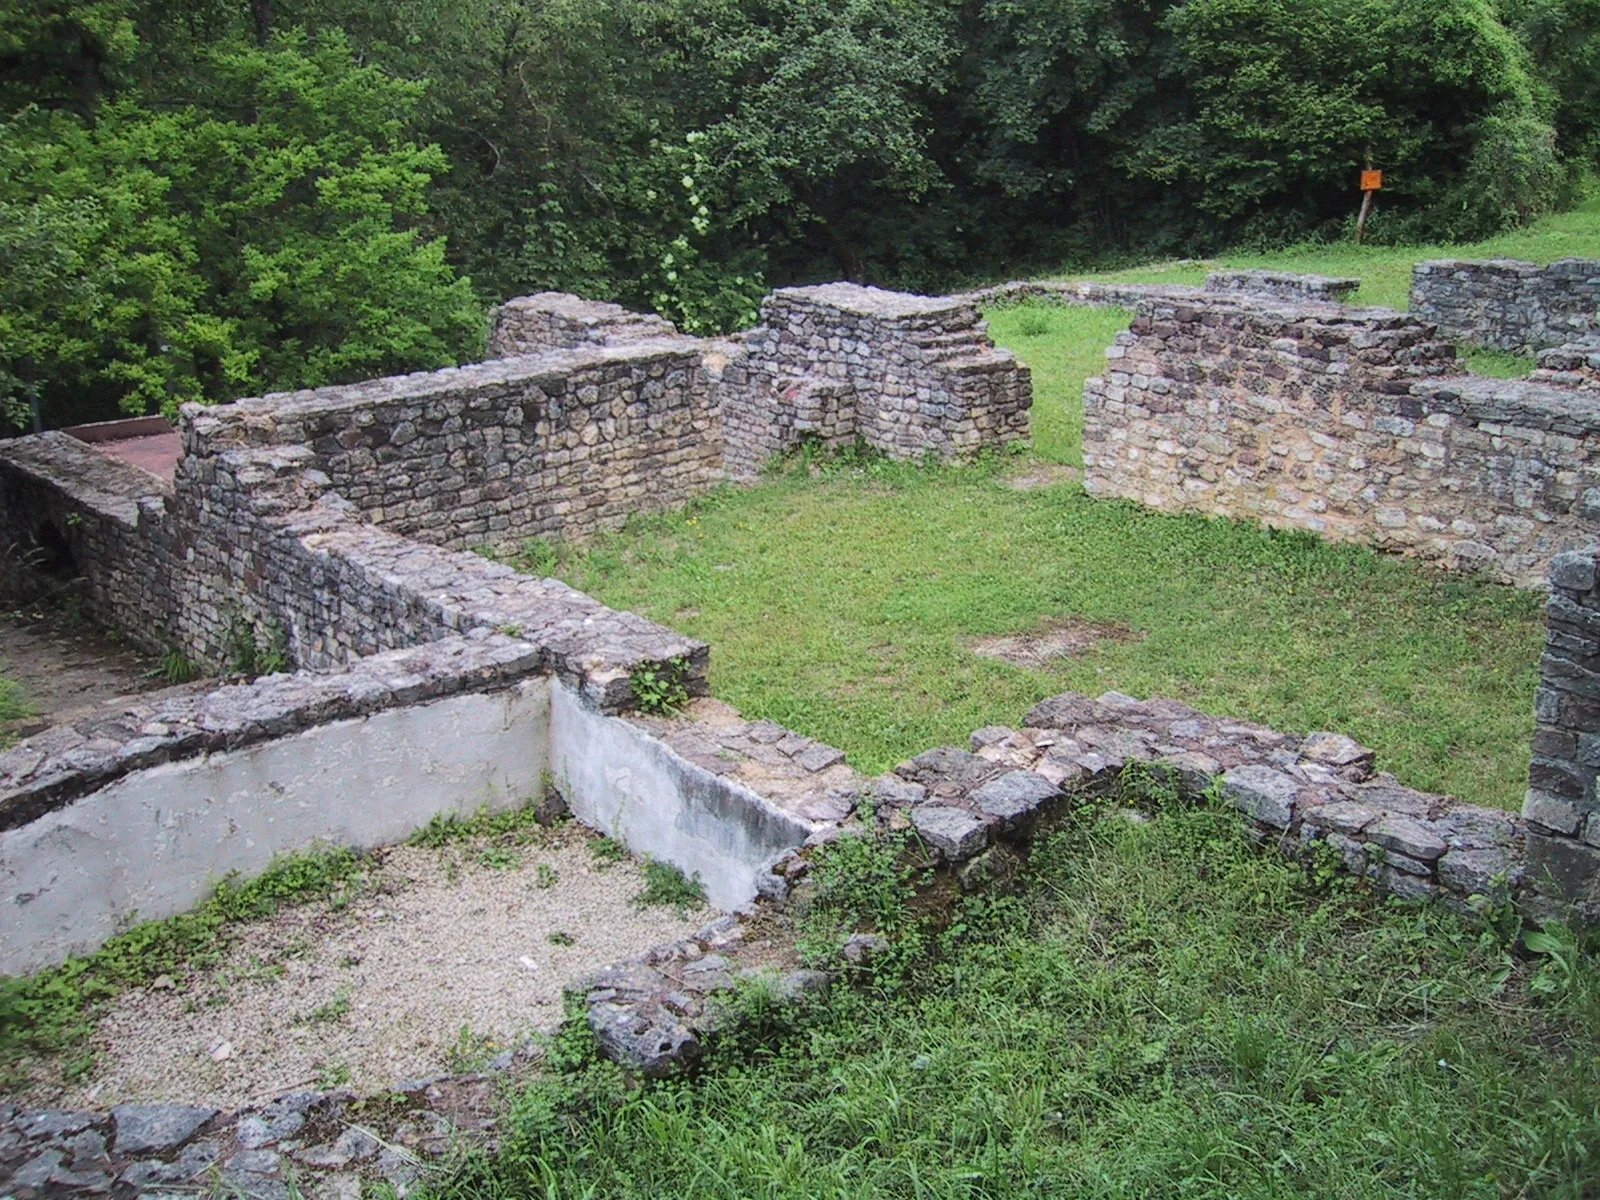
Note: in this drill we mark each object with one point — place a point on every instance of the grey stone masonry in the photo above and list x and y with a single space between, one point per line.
1506 304
908 375
566 442
1283 285
559 321
1563 802
1575 365
1353 423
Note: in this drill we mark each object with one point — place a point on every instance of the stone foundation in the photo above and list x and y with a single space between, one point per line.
1356 424
1509 305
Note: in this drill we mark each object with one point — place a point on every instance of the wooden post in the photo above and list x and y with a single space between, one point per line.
1371 181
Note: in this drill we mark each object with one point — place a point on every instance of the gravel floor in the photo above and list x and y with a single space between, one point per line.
444 957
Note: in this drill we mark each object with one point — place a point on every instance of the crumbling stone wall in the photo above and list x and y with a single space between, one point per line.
1352 423
566 442
70 510
1506 304
1563 802
908 375
1575 365
559 321
1283 285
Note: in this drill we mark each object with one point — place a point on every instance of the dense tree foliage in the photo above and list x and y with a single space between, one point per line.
204 198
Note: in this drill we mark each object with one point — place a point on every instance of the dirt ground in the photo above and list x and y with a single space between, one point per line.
65 663
438 960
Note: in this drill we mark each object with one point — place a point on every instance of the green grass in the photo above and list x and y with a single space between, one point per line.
51 1012
1063 347
842 605
1162 1011
1385 271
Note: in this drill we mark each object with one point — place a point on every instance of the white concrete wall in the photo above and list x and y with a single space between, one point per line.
619 779
154 843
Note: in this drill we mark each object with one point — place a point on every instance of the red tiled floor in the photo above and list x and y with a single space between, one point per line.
157 453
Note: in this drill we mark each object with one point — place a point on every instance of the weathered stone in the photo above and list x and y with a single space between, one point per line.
1551 812
953 832
1344 816
819 757
1566 869
1262 793
1473 872
1014 797
1407 836
1334 749
141 1128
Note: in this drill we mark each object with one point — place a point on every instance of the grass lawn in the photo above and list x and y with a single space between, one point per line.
1161 1011
840 599
1385 271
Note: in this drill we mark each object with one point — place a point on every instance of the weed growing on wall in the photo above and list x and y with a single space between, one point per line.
668 887
658 687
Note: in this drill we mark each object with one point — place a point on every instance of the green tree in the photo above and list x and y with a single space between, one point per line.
270 242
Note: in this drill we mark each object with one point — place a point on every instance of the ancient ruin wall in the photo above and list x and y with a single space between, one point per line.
559 321
1283 285
908 375
567 442
1350 423
1509 305
1563 803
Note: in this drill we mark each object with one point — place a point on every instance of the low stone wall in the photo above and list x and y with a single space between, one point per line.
1506 304
559 321
1575 365
1352 423
1563 802
1283 285
908 375
567 442
70 510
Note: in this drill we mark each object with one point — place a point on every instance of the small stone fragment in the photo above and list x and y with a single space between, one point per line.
1405 835
145 1127
1015 796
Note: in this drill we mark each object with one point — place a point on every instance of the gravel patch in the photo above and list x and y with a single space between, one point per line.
444 957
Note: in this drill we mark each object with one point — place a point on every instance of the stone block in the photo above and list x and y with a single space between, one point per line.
1014 797
953 832
1408 836
1550 812
1566 869
1262 793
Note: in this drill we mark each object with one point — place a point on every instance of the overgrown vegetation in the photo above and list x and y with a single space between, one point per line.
200 199
53 1011
1161 1009
659 688
668 887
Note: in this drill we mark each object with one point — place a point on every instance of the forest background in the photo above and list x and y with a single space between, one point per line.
203 199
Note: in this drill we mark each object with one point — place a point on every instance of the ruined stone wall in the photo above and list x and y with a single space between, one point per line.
1283 285
1509 305
909 375
1350 423
559 321
1574 365
1563 803
566 442
67 510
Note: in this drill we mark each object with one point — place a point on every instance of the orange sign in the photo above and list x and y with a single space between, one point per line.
1371 181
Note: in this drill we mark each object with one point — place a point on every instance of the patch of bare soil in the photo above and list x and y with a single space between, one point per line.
66 663
1043 475
1062 637
442 958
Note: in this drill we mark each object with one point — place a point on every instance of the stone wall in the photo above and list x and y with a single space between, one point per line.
559 321
69 510
1509 305
1283 285
1352 423
1563 803
908 375
567 442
